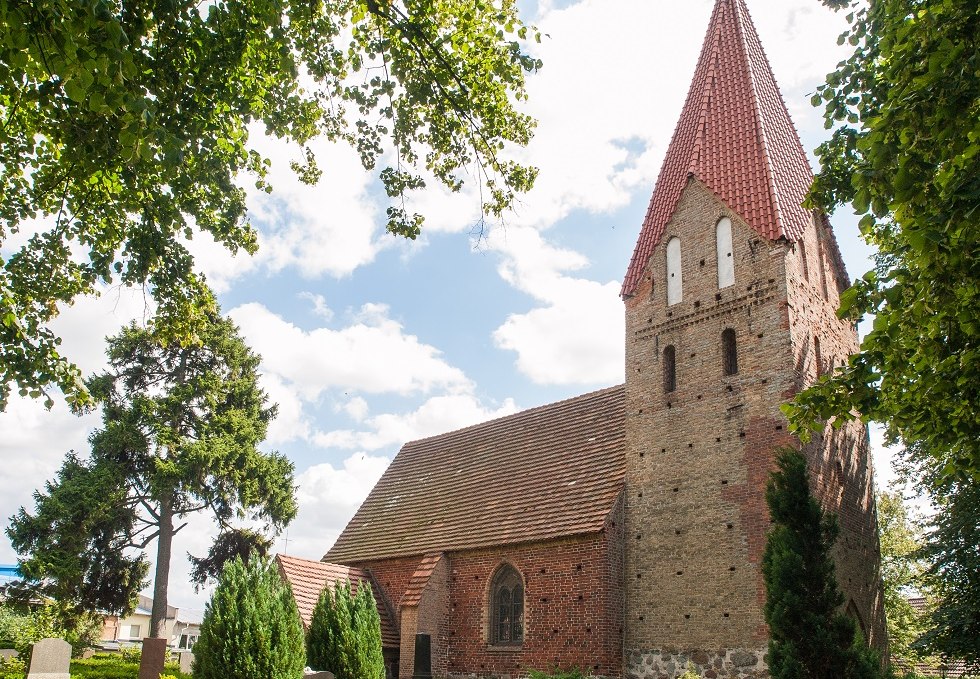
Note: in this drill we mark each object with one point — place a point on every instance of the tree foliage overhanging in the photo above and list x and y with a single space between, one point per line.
905 152
124 127
180 435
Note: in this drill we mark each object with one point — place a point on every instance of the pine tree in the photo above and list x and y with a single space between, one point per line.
345 634
809 636
251 627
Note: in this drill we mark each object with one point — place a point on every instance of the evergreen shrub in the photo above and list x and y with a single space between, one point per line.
345 634
251 627
809 635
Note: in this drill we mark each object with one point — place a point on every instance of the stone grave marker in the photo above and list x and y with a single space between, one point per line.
153 657
7 653
50 659
186 660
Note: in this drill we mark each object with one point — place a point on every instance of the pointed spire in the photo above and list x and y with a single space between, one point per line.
736 136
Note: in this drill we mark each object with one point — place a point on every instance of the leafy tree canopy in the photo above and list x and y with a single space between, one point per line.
125 125
905 152
902 576
181 426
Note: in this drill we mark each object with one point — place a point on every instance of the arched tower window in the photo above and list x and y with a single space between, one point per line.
670 369
729 351
507 602
675 287
726 260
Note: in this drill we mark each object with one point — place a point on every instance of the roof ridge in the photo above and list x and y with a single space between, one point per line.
520 413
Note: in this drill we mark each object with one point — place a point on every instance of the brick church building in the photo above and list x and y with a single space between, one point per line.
621 532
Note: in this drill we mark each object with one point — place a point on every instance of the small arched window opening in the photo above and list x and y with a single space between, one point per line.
675 286
729 352
507 601
726 259
670 369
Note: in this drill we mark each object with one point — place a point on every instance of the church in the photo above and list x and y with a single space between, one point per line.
621 532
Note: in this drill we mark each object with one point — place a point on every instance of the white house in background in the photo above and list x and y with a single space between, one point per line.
182 627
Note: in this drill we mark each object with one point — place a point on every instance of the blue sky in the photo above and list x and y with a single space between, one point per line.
369 341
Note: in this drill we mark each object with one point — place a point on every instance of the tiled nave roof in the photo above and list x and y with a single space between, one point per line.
542 473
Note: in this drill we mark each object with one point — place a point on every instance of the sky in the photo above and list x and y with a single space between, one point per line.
369 341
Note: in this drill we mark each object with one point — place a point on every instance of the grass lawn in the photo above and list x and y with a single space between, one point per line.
106 666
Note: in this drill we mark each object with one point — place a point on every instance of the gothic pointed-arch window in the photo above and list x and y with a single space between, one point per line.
726 258
507 607
729 352
670 369
675 287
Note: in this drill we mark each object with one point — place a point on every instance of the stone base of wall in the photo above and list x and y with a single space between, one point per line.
738 663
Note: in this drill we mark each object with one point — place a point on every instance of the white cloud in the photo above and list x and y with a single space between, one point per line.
555 345
328 498
576 337
373 355
435 416
319 303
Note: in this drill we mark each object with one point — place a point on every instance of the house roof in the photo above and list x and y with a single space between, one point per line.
309 578
735 135
542 473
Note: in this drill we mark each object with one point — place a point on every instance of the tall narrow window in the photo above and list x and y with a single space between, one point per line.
806 264
817 357
729 352
675 287
822 269
726 260
670 369
507 603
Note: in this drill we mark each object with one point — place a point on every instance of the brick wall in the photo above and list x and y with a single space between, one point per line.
572 611
697 458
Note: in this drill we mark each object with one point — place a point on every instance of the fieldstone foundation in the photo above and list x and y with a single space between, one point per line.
738 663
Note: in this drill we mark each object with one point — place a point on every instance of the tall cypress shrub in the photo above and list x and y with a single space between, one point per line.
251 627
345 634
809 636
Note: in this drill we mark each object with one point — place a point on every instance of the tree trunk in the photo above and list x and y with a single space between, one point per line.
158 616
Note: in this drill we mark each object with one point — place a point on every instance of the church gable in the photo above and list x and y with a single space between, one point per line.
734 135
544 473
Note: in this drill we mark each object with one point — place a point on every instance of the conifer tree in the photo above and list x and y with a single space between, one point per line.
809 636
251 627
345 634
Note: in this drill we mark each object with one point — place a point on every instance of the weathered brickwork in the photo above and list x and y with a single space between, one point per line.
573 611
697 458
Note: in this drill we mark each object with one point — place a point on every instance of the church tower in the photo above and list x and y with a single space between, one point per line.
730 310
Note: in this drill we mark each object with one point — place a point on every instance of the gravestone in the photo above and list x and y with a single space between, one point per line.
7 653
423 656
186 660
50 659
153 657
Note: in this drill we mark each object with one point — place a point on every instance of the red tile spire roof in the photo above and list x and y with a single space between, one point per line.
736 136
